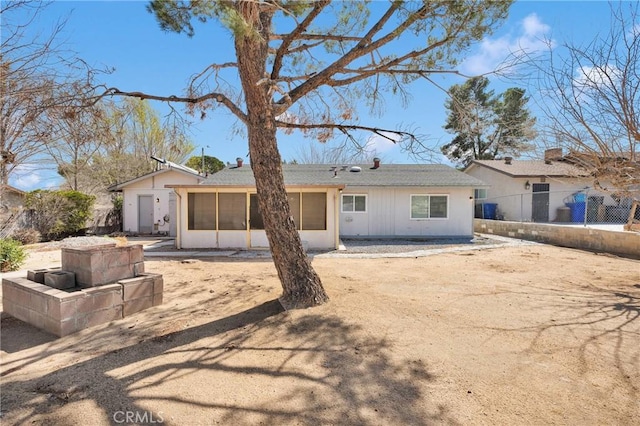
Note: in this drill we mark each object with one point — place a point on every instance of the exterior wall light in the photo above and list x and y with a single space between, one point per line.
527 185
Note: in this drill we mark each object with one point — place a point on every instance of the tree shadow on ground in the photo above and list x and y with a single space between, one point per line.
600 324
178 312
318 369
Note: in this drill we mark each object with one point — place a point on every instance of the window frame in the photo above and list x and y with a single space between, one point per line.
477 191
366 203
192 221
411 197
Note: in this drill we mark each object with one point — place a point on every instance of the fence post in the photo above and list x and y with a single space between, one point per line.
586 206
521 208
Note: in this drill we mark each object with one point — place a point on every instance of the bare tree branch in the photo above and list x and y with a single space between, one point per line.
218 97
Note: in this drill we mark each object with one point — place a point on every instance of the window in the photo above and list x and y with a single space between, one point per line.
479 194
255 216
354 203
309 210
314 211
294 205
429 206
232 211
201 211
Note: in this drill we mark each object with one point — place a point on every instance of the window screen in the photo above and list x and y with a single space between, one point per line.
201 211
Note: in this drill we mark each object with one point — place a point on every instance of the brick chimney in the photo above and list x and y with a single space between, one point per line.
376 163
552 154
239 161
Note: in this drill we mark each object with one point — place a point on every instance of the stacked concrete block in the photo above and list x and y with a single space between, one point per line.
57 311
37 275
95 285
62 280
141 293
99 265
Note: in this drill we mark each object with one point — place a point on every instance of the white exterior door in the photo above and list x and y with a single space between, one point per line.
145 214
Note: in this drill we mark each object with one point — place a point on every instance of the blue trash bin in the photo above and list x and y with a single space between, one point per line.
579 197
577 211
489 210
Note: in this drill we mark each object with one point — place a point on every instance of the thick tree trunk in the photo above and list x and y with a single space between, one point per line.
301 284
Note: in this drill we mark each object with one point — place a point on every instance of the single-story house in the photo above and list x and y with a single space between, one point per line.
12 197
329 202
148 207
549 190
11 203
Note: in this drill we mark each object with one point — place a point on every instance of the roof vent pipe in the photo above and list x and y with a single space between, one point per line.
376 163
507 160
239 161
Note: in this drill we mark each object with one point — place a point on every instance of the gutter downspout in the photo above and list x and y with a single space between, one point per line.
336 218
178 220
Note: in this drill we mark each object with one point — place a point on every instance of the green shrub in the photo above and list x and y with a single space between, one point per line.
58 214
27 236
12 255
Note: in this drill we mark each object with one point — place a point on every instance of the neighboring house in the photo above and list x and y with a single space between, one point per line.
149 207
329 202
11 210
11 198
539 190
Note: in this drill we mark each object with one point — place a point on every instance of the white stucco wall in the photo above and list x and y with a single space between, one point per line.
324 239
153 186
389 214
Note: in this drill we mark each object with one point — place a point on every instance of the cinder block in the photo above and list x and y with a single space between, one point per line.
61 310
117 272
138 269
135 288
68 327
38 302
60 279
136 253
23 298
136 305
8 291
158 284
52 326
20 312
157 299
36 319
100 317
37 275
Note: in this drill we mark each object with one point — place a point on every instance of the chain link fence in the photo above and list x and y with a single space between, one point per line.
563 207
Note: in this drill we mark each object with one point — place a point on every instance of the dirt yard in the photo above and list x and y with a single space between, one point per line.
511 336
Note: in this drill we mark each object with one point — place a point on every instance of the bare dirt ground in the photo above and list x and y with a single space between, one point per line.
519 335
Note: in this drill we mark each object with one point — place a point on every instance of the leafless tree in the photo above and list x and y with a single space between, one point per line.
592 95
34 68
308 78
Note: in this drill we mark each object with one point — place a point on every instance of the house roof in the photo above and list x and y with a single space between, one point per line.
10 188
386 175
169 167
531 168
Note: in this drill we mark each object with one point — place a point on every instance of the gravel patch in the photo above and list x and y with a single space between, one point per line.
72 242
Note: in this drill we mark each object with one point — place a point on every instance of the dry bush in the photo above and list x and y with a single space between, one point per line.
27 236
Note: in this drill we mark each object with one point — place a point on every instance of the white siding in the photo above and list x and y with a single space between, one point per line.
389 214
515 202
153 186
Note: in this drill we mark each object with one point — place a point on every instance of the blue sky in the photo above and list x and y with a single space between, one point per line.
123 35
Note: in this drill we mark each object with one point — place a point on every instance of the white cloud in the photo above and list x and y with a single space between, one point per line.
591 81
377 144
532 37
31 176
